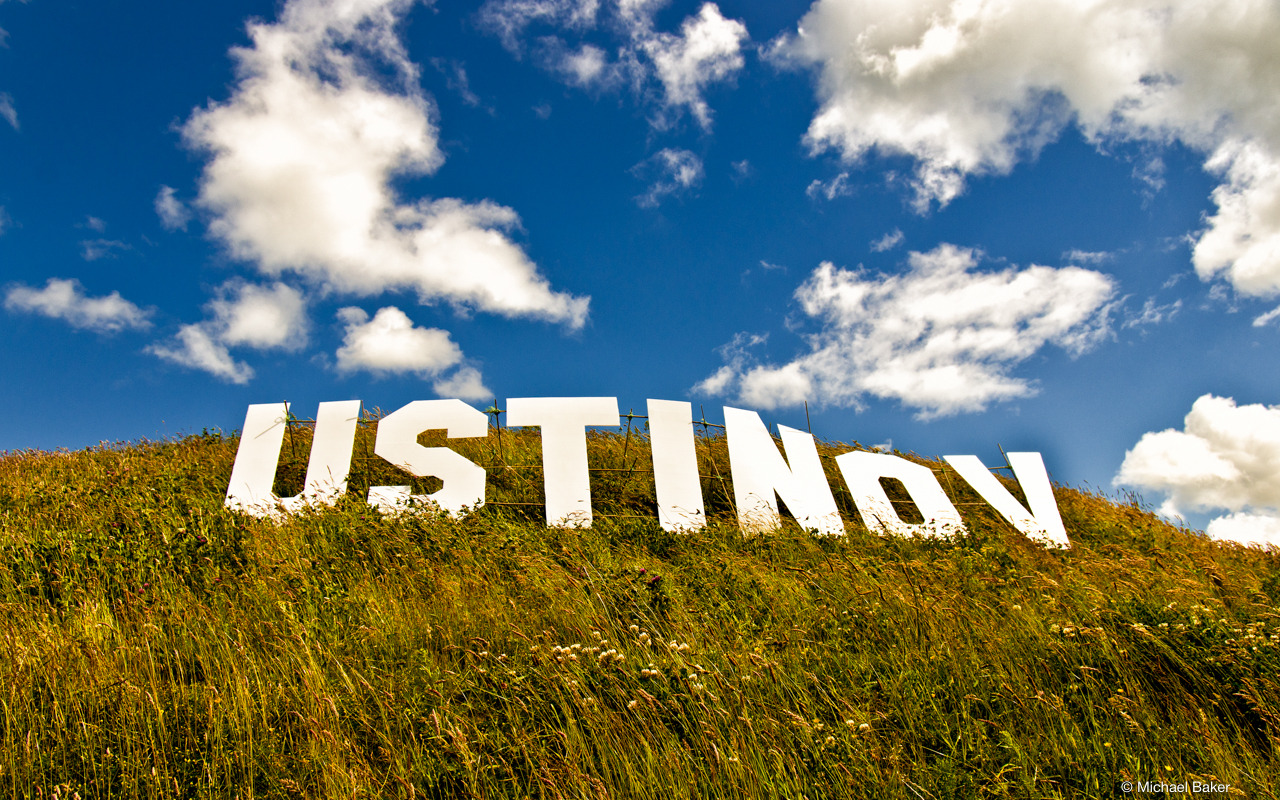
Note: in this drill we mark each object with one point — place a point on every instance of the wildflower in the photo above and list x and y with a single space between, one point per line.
864 728
850 723
634 629
1017 608
831 740
633 704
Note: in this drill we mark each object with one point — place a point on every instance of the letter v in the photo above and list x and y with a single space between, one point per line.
1042 523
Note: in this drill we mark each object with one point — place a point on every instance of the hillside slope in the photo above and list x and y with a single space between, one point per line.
160 646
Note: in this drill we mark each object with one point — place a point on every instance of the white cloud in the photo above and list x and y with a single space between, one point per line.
7 111
1263 320
671 173
465 383
887 242
1226 457
241 315
263 318
456 79
941 338
971 87
325 114
1256 530
585 67
65 299
509 18
196 348
1242 241
707 50
830 190
672 69
1152 314
1090 257
94 249
390 343
173 214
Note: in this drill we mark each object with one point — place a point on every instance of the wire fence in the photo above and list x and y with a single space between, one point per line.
705 437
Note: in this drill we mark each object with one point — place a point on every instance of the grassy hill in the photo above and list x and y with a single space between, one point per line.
157 645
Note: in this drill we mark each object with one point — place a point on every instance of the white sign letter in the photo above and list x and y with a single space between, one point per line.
564 449
397 442
1042 523
255 469
863 471
675 466
759 471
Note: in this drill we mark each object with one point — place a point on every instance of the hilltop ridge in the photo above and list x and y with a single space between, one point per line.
160 645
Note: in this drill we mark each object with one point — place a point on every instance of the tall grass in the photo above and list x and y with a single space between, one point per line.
159 646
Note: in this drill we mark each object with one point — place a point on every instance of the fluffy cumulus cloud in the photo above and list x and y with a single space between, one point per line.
673 70
325 114
173 214
240 315
195 347
391 343
969 87
465 383
942 337
261 317
65 299
670 172
1226 457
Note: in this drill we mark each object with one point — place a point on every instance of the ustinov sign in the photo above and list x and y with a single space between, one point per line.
760 472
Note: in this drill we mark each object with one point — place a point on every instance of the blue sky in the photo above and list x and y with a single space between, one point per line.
1053 225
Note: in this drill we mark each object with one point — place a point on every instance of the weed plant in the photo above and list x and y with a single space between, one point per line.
157 645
